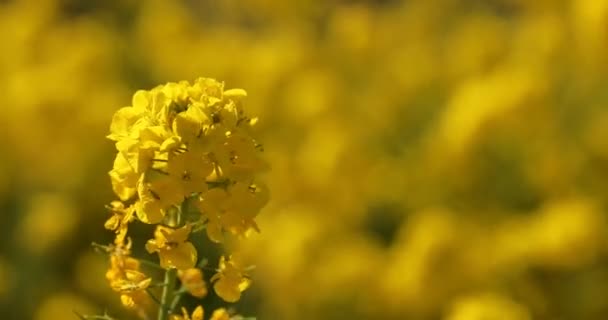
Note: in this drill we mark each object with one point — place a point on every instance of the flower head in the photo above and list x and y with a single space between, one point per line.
186 156
175 140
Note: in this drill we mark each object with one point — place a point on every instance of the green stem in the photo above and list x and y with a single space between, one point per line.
167 295
177 296
153 297
150 264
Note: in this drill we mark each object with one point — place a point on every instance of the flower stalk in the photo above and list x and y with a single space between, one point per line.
167 295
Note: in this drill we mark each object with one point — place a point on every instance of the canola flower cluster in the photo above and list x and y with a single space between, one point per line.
187 160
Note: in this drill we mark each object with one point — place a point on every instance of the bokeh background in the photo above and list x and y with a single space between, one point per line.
432 159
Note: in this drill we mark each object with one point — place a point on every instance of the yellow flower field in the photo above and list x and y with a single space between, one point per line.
441 159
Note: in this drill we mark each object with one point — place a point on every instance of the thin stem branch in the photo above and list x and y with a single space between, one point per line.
177 297
167 295
150 264
94 317
153 297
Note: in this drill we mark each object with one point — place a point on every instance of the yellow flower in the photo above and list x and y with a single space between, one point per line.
133 280
208 91
231 279
123 122
197 314
247 201
152 104
123 177
137 154
212 206
125 278
192 280
173 248
190 169
157 192
233 209
487 306
220 314
134 300
239 156
191 124
120 219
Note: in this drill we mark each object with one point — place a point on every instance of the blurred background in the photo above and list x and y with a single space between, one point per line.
443 159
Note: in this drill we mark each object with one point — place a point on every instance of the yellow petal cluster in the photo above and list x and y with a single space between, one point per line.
183 140
125 277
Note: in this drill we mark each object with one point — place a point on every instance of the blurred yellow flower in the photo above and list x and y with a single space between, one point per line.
231 278
197 314
479 101
49 220
61 305
488 306
220 314
567 233
192 280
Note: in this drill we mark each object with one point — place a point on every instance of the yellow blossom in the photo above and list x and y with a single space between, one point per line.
487 306
133 281
190 169
220 314
190 124
211 205
231 279
192 280
157 192
120 219
197 314
239 156
123 122
125 277
233 209
173 248
123 177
